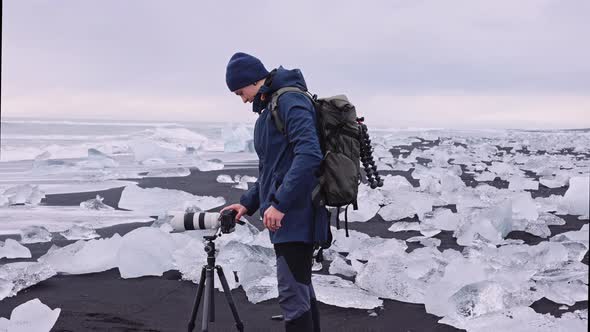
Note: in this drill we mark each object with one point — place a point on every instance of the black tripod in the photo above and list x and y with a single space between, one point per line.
207 282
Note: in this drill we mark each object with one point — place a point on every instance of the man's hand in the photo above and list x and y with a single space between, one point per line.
237 207
272 218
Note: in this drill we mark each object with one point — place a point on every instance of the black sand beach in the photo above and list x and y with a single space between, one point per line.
106 302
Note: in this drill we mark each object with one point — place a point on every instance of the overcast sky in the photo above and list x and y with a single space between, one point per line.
454 64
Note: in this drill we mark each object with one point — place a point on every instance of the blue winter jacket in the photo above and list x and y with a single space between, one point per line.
287 163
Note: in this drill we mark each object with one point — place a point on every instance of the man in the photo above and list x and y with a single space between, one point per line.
287 166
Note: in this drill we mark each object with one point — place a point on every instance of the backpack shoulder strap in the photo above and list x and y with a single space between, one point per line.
273 105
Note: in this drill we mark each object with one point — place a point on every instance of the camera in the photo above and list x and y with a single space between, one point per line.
188 221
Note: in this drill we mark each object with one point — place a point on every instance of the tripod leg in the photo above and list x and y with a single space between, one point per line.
230 299
212 297
207 303
191 323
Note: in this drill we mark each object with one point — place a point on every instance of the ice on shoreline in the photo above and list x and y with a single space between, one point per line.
31 316
155 201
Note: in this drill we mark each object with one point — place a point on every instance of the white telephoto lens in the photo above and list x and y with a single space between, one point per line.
189 221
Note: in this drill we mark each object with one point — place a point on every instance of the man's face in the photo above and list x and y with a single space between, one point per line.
248 93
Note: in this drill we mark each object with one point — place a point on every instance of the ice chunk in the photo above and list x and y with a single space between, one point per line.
428 230
576 242
580 236
457 274
339 266
537 228
245 233
400 276
477 299
153 162
394 183
224 178
451 182
145 251
21 275
521 319
190 258
247 178
443 219
98 160
35 234
341 243
60 218
554 181
5 288
398 165
31 316
492 223
262 239
259 281
402 226
4 200
523 206
154 201
369 201
374 247
407 204
85 256
548 204
550 219
577 197
336 291
501 169
95 204
518 184
12 249
24 194
241 185
485 176
237 138
235 255
168 172
79 232
564 292
207 165
425 241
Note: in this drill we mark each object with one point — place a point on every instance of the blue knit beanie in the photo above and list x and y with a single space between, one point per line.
242 70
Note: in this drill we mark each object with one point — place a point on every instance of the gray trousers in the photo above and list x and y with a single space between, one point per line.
296 296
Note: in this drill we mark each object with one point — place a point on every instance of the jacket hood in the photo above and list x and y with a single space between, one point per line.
277 79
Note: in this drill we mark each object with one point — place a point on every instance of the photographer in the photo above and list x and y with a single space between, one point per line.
287 166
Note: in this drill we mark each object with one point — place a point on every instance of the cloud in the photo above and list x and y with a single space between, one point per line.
112 52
